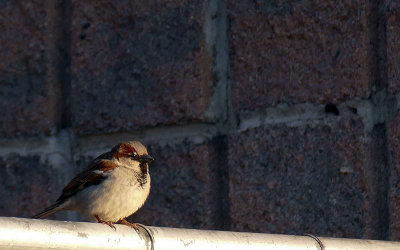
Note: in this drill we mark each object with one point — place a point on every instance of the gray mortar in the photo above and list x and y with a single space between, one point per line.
164 135
380 108
215 30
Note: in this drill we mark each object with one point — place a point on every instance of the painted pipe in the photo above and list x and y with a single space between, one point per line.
21 233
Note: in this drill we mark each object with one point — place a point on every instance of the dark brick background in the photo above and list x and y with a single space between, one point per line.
27 99
24 189
319 50
138 59
315 179
275 159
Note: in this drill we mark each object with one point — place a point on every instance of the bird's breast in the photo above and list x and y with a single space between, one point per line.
119 196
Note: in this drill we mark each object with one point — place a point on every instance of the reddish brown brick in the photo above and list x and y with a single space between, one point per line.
137 64
27 185
28 94
185 187
394 145
299 51
322 179
393 48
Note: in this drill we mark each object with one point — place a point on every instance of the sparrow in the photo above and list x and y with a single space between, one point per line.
114 186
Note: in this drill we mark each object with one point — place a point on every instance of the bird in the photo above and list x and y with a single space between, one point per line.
114 186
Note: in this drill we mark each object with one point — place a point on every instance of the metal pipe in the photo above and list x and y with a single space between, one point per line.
20 233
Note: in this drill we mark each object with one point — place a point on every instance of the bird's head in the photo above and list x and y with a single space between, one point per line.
132 152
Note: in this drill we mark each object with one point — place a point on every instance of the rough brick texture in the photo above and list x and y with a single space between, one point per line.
318 179
394 145
137 64
27 185
185 190
81 70
27 101
319 50
393 48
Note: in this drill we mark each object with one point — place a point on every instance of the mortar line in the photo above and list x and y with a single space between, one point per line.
383 101
303 113
54 79
215 30
371 111
198 132
217 17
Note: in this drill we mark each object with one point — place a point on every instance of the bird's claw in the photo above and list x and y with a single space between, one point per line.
132 225
109 223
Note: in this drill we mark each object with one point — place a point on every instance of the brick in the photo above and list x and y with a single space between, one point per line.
27 185
319 50
185 187
136 64
393 48
320 178
394 146
27 96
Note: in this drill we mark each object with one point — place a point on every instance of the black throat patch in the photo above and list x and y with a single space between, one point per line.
142 176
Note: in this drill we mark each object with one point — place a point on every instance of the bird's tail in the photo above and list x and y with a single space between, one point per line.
49 211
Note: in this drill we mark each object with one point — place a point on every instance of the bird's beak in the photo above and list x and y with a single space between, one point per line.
146 158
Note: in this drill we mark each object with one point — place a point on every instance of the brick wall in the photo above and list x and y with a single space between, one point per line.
263 116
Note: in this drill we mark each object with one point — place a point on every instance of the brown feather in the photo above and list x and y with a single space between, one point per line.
88 177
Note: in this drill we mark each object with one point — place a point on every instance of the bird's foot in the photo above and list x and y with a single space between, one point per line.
109 223
132 225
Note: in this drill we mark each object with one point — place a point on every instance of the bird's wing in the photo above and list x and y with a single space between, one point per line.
93 175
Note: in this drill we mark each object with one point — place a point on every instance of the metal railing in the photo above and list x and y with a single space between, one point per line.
20 233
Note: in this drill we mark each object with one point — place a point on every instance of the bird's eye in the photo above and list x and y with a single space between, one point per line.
134 154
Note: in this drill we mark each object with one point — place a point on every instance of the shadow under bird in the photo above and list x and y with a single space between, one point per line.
114 186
